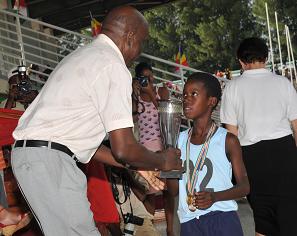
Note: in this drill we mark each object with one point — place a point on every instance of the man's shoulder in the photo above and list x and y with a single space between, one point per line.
99 53
234 82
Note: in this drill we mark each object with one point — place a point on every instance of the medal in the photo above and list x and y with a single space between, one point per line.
192 180
190 201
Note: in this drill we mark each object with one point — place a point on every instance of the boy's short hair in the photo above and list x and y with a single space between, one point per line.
141 67
210 82
252 50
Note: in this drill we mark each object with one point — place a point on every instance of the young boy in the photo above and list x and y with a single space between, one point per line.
206 205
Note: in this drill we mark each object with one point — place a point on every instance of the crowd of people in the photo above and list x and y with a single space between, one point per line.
88 162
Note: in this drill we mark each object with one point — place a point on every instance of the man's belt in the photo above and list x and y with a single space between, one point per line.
48 144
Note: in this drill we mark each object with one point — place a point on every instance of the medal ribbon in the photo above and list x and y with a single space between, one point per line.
200 159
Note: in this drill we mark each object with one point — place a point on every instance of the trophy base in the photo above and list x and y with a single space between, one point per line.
173 174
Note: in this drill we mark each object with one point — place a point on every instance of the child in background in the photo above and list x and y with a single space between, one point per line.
206 193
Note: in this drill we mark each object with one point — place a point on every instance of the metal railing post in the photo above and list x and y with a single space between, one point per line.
182 76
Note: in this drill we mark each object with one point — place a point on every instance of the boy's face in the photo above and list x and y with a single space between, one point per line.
196 102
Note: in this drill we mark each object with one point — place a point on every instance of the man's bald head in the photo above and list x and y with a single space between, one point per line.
127 28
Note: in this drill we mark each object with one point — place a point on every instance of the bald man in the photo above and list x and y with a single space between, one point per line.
87 96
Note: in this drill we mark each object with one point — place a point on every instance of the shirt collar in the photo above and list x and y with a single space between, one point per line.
106 39
256 71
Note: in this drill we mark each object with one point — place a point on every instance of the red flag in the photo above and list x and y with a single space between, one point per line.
96 27
180 58
177 61
21 7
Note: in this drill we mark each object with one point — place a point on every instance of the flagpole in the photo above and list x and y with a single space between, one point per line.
269 33
181 69
289 55
279 45
292 54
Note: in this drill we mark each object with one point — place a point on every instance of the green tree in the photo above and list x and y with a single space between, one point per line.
209 31
287 15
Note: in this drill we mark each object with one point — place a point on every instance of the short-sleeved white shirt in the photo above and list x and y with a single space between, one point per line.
87 95
261 104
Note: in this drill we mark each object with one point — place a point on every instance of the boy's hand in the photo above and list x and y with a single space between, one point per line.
204 200
172 159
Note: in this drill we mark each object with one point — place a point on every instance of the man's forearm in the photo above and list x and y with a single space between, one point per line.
138 156
104 155
146 159
126 150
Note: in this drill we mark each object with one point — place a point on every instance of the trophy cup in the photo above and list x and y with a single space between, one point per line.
170 112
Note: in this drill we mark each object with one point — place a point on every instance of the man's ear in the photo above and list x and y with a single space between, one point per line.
243 65
130 38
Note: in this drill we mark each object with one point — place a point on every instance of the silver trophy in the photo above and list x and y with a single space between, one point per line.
170 112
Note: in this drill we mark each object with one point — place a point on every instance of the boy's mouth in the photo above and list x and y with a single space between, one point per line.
187 108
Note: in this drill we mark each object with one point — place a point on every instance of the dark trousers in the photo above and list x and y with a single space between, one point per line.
215 223
272 170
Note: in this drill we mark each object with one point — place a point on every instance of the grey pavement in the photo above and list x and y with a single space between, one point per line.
245 216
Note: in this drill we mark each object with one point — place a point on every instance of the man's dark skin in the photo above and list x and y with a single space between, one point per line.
128 29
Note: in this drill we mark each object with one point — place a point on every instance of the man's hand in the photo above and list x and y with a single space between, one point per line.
152 177
172 159
204 200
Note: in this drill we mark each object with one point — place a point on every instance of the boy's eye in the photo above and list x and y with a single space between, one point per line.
194 94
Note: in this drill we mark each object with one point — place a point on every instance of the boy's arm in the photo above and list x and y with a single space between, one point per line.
172 186
241 189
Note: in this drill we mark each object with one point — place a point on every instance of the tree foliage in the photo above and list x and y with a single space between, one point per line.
210 30
287 15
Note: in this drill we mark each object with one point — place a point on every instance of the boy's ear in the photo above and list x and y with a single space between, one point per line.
213 101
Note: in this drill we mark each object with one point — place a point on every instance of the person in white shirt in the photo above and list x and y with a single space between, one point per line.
87 96
261 108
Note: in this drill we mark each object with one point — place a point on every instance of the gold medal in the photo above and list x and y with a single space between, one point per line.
190 199
190 202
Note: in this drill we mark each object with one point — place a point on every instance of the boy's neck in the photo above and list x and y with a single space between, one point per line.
201 127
